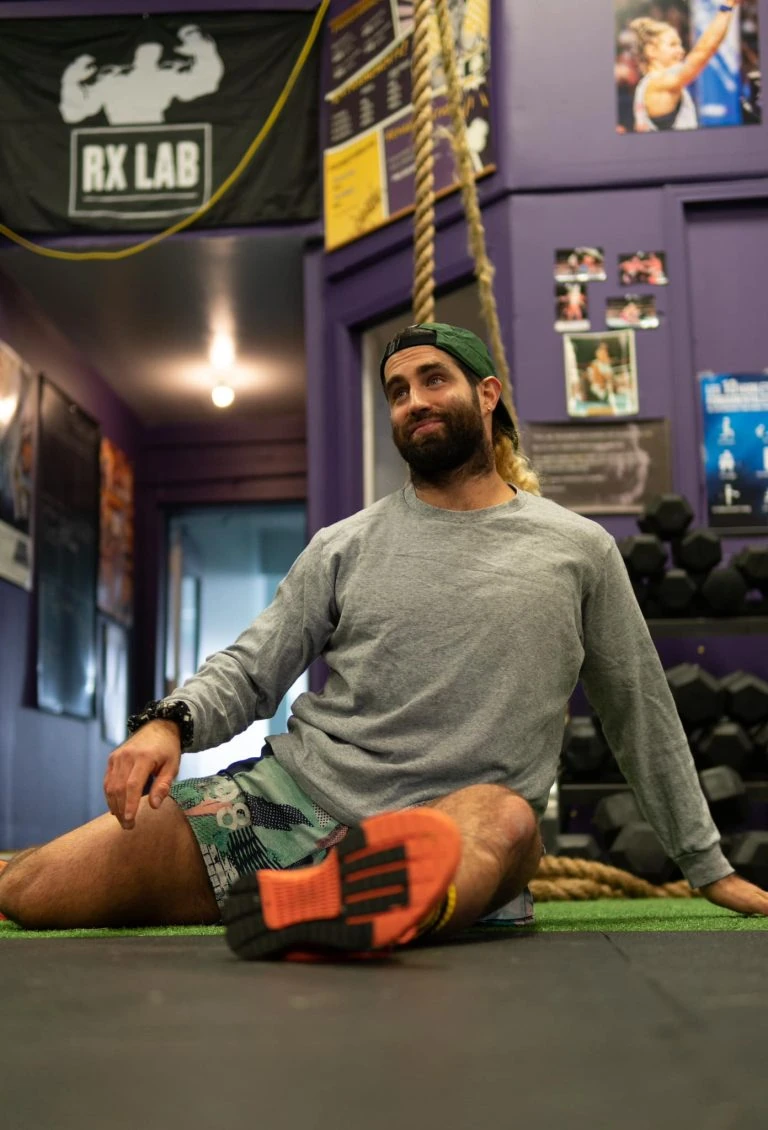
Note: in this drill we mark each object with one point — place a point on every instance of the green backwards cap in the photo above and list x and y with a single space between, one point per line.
462 344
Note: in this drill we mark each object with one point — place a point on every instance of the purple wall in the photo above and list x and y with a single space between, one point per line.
50 767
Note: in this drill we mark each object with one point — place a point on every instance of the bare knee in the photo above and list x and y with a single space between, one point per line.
492 813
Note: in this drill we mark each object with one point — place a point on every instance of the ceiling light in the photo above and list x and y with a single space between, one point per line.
8 406
222 352
222 395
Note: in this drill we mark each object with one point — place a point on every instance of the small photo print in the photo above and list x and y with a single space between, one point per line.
637 311
571 308
643 267
580 264
601 374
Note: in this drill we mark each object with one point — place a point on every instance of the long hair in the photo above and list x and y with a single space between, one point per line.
513 465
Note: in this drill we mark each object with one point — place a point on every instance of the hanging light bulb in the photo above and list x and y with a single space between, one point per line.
222 395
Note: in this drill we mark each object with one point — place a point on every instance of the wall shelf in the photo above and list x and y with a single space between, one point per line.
709 626
594 791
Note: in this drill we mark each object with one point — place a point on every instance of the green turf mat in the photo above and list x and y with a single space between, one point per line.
652 915
601 915
9 930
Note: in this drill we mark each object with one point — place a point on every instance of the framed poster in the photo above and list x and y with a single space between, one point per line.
735 450
18 423
602 468
66 555
686 65
601 374
369 162
115 592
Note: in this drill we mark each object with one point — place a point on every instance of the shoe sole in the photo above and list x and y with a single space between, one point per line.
370 893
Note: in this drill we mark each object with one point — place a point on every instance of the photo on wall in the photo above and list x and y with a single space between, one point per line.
580 264
647 267
18 421
571 308
601 374
686 64
637 311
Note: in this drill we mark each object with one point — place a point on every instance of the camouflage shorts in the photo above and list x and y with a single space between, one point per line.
251 816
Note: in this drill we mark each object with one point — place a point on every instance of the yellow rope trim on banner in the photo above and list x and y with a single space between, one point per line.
125 252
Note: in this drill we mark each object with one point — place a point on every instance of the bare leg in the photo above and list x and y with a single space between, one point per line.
501 850
100 875
18 856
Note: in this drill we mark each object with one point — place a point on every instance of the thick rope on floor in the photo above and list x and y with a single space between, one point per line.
424 221
561 879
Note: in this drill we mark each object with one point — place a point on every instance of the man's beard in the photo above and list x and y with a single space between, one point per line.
458 445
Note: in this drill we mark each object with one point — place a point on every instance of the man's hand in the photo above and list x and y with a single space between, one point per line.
735 893
155 749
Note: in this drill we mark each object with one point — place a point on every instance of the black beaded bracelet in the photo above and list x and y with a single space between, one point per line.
167 710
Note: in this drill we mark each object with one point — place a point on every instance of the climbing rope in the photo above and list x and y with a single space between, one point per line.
560 878
424 222
424 230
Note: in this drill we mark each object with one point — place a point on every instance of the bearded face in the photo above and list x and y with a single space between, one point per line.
438 441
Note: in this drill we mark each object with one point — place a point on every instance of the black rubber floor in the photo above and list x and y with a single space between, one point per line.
622 1032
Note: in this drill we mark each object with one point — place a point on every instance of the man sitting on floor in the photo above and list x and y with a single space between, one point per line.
456 617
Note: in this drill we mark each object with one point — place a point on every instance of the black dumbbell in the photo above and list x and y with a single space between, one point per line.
749 855
746 697
697 552
724 591
578 845
699 698
725 743
584 750
726 796
644 556
673 594
612 813
759 736
668 516
752 563
637 849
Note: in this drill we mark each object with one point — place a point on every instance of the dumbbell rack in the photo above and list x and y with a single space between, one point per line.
586 794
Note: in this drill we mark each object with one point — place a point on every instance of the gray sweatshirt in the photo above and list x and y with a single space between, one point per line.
454 640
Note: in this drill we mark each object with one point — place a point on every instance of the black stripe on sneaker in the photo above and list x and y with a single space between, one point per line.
397 878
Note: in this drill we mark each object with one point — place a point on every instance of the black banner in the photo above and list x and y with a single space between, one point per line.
66 555
131 123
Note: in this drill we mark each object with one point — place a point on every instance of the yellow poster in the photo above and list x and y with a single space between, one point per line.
353 189
369 165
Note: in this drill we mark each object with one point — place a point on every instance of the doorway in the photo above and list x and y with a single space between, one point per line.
224 566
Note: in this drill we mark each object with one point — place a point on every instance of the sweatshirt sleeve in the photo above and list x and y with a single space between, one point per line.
625 682
247 680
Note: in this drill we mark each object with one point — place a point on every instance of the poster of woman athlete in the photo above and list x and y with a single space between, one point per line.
686 64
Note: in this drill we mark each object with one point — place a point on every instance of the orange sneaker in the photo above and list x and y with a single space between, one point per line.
370 893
